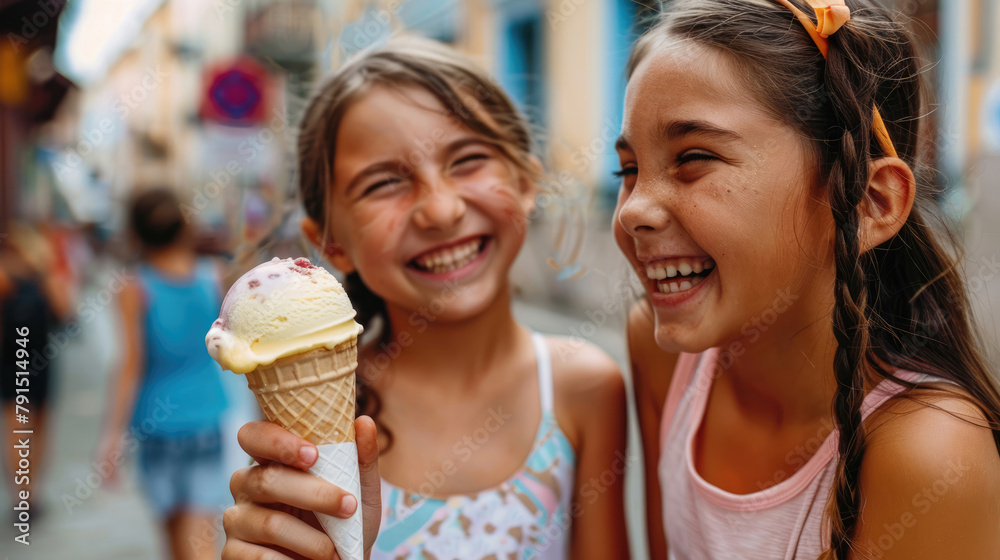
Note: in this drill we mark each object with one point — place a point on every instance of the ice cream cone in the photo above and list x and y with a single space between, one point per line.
312 395
289 326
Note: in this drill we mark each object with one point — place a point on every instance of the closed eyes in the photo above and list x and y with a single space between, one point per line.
686 157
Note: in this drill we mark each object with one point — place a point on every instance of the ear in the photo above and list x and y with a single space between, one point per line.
887 202
329 249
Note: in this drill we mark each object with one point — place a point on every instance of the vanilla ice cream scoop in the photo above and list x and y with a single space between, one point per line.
280 308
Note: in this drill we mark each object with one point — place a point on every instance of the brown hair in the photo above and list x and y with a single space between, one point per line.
904 302
155 218
467 93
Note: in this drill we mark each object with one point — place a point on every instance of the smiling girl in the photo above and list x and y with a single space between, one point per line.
806 374
417 177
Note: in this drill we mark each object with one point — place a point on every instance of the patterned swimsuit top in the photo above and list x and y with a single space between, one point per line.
525 517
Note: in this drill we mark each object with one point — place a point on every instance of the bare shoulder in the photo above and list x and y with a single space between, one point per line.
930 425
587 383
931 460
652 368
583 371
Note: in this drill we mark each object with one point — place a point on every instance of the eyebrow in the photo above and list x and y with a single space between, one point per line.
679 129
394 165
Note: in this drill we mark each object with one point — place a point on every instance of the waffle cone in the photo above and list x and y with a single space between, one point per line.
310 394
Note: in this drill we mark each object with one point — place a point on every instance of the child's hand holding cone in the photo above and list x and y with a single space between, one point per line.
276 500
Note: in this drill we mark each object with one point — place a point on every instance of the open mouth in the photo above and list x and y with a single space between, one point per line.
452 258
679 274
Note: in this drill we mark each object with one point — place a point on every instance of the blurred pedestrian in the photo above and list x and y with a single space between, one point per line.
33 301
167 383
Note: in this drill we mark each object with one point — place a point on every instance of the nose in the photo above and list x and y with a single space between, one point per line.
640 212
440 205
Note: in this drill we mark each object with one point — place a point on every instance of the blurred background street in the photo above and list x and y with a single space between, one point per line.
101 99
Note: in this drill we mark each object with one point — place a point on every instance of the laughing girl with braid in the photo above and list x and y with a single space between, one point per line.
808 381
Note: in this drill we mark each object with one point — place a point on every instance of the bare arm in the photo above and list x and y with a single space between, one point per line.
590 395
5 290
59 294
5 285
125 384
930 485
652 370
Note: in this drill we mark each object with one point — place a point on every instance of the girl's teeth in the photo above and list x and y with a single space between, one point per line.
447 260
679 286
681 266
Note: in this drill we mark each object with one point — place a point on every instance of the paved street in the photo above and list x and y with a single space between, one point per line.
109 523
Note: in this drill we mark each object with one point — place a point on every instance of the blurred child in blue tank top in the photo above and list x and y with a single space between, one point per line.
168 384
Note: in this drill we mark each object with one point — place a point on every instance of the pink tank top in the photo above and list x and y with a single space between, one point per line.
703 522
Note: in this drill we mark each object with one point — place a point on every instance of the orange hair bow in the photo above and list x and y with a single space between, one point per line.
831 15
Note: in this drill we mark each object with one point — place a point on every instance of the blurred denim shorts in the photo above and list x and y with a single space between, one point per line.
184 473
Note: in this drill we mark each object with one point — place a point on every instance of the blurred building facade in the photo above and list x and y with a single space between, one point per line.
975 106
31 92
562 61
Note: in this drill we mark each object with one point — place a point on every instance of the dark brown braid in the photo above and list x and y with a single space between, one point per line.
848 179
